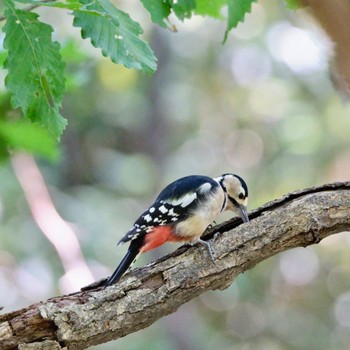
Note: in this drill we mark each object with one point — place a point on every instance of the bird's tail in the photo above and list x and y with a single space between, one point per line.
124 265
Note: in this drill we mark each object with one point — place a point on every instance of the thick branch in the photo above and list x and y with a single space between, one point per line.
145 295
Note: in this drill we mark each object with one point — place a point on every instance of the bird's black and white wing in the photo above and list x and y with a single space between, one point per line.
174 204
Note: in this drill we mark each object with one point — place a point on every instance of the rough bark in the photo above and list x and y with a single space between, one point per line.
96 315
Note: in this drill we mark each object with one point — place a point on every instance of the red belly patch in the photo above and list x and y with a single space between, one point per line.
158 236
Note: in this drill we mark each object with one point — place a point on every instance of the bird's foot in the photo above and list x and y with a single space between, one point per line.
208 246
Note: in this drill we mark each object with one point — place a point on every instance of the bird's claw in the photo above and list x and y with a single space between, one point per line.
208 246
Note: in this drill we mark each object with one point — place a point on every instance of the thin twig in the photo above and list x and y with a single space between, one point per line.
29 8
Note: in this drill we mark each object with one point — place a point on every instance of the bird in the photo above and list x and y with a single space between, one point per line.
181 213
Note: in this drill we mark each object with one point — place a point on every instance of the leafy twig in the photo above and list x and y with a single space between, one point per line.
29 8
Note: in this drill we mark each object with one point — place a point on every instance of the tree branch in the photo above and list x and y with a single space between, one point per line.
29 8
144 295
334 18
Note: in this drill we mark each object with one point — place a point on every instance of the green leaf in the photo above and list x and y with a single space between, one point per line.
159 10
294 4
210 8
116 34
237 9
3 55
35 69
68 4
183 8
25 136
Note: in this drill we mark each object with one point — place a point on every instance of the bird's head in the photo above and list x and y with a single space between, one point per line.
236 191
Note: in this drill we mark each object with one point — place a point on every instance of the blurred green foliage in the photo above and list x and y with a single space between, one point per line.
35 70
262 106
29 137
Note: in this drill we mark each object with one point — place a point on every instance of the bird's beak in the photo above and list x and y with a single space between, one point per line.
243 213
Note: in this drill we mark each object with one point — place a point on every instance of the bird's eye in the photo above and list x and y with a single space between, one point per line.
241 196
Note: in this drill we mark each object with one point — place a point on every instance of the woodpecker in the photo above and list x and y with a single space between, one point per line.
181 213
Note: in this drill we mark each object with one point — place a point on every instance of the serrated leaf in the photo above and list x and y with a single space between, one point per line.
210 8
158 9
183 8
35 69
25 136
116 34
3 55
237 9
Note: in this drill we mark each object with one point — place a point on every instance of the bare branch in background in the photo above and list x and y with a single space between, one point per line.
334 18
58 231
144 295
